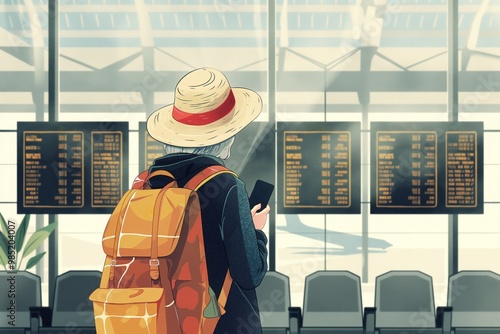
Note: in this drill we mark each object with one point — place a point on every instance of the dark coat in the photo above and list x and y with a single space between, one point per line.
230 238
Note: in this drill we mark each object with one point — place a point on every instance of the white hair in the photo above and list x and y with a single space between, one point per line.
221 150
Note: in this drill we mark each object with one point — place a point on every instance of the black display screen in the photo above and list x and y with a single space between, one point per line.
252 155
424 167
71 167
149 148
319 167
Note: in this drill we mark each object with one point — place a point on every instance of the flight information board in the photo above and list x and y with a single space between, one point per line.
252 155
319 167
71 167
427 167
149 148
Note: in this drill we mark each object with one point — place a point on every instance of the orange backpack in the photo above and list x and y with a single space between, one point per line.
155 276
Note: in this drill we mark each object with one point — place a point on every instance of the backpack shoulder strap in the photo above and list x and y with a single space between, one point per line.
194 184
206 175
141 181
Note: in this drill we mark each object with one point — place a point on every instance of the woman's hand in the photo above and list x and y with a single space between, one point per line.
260 218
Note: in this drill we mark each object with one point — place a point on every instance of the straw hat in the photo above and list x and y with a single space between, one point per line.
206 111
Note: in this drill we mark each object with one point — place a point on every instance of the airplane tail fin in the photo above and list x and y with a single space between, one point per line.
293 222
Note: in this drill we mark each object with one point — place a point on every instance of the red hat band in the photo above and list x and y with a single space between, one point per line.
206 117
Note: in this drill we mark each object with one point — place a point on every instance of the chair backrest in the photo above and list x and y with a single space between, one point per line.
333 299
273 295
404 299
72 306
475 298
18 291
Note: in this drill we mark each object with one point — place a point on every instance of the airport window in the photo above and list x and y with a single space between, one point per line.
312 61
478 99
23 68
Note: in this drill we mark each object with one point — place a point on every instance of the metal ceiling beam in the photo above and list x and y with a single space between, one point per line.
289 81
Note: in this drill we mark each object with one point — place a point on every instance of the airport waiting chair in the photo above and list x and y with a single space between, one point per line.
71 311
332 303
473 303
404 304
273 295
21 289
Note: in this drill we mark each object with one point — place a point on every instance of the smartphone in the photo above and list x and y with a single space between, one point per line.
261 193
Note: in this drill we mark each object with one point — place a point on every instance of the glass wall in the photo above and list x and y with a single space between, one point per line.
479 98
335 60
23 97
362 61
120 61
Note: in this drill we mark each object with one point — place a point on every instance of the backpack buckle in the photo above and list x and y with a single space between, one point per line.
112 265
154 273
